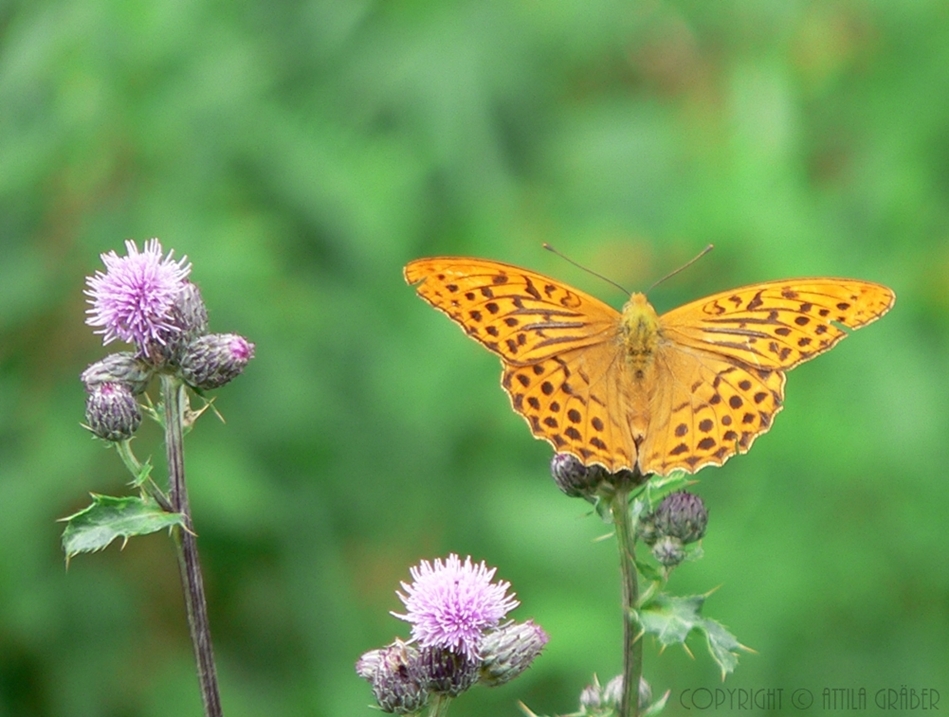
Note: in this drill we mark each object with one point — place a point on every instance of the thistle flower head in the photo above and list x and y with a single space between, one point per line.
450 604
446 671
132 299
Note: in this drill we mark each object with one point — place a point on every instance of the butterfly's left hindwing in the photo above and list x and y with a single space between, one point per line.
579 402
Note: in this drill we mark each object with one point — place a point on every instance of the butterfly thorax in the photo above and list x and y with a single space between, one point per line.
640 334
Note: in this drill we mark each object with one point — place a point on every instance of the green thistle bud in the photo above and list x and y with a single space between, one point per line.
669 551
396 678
121 367
213 360
603 700
646 530
597 700
189 313
446 672
509 650
112 412
613 692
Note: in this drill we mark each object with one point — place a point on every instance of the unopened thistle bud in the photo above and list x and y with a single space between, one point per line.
682 515
187 319
368 663
189 312
573 478
646 529
211 361
509 650
112 412
669 551
596 699
120 367
396 678
447 672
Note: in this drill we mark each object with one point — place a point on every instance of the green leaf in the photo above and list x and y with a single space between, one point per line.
657 488
143 473
671 619
108 518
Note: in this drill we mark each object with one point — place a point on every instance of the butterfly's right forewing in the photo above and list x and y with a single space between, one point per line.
777 324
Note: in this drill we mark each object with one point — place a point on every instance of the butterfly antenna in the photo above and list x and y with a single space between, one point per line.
687 264
588 271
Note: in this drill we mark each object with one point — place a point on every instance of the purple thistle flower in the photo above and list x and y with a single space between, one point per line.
132 300
451 604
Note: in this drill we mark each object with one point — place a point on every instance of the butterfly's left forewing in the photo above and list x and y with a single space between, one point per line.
522 316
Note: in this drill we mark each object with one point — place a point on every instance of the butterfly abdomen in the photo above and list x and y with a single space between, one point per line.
640 334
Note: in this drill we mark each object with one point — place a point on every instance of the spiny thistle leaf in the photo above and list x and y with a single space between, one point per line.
108 518
671 619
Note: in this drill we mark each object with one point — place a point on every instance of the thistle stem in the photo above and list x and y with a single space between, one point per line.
632 645
438 707
135 468
173 398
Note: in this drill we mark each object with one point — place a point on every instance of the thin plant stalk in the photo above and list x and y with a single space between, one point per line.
438 707
124 449
173 398
632 644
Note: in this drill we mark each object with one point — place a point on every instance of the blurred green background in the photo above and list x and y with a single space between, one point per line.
300 153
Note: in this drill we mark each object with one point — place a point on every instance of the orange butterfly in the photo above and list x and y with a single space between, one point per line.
635 390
